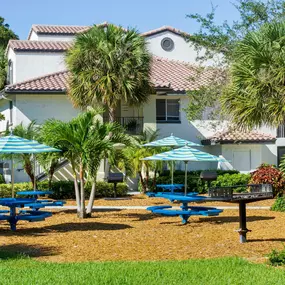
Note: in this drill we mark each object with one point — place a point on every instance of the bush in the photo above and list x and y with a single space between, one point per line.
268 174
277 258
232 180
279 205
65 189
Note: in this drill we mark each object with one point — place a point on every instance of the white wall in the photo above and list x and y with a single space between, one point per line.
12 56
182 50
35 64
42 107
55 38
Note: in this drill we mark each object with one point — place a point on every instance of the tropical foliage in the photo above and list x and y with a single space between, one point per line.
255 95
84 141
137 151
5 35
108 65
218 42
268 174
29 132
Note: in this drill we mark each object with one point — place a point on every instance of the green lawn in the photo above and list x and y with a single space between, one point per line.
212 271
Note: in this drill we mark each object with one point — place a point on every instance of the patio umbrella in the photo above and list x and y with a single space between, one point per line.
185 154
173 142
16 145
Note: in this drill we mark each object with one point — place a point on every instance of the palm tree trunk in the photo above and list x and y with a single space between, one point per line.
142 183
91 199
76 189
29 170
112 114
82 193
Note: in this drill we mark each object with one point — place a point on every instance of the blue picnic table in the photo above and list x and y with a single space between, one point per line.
186 210
15 213
170 187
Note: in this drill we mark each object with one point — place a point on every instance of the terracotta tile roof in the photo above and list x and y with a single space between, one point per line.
178 75
49 46
55 82
164 29
61 29
236 136
165 74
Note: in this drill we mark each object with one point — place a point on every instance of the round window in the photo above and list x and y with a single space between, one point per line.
167 44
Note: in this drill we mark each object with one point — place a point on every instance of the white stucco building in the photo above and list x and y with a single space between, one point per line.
37 91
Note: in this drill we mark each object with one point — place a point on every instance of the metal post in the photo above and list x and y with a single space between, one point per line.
242 222
185 184
172 170
34 156
12 176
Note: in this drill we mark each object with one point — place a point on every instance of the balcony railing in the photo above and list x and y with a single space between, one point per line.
281 131
133 125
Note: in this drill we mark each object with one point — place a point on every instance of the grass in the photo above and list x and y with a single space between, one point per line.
22 270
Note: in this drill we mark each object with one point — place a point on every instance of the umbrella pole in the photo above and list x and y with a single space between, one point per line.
34 172
172 170
185 184
12 176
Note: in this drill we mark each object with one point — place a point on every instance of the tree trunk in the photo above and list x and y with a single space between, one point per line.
147 176
82 193
91 200
154 179
29 170
51 173
142 183
112 114
76 189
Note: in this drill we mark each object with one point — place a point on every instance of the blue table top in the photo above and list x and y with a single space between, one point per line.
15 202
191 197
32 192
170 185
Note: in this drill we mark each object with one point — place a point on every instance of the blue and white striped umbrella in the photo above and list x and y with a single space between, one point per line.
185 154
13 144
171 141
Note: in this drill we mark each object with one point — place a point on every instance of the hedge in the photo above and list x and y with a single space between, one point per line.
196 184
65 189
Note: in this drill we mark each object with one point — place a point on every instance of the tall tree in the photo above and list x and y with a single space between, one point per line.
109 64
217 43
6 34
84 141
256 93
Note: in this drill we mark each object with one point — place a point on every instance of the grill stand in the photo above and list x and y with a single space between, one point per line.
242 222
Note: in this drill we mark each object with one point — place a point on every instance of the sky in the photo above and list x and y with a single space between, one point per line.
141 14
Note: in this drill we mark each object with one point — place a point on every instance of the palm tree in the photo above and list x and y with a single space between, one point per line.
84 141
137 151
108 65
256 93
30 132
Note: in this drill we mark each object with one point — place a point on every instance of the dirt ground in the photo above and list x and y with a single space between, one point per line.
141 235
143 200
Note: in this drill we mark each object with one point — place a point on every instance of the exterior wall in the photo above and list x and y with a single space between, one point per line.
182 50
34 64
42 107
149 114
55 38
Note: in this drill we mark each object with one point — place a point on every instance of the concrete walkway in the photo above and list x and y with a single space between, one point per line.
144 207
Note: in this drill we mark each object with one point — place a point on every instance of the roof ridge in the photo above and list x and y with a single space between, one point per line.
174 60
37 78
165 27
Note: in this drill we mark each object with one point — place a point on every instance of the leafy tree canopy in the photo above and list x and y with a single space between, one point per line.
214 41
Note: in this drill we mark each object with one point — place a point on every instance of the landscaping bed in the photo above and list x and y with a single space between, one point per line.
141 235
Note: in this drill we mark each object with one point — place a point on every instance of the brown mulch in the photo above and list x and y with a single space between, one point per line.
143 200
141 235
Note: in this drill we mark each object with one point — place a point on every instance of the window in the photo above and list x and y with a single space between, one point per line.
167 110
10 72
280 154
167 44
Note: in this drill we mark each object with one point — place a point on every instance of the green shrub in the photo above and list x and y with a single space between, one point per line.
279 205
277 258
65 189
2 180
232 180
